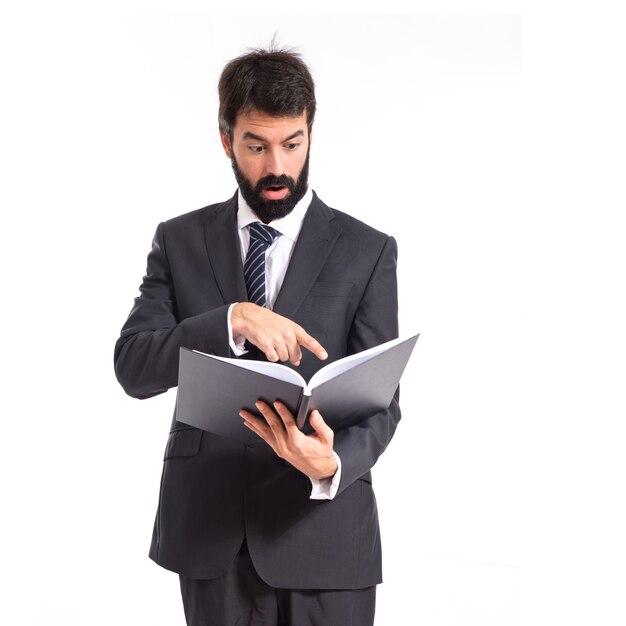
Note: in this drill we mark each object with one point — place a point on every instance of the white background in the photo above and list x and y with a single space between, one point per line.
507 469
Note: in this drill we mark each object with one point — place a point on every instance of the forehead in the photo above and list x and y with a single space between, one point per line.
270 126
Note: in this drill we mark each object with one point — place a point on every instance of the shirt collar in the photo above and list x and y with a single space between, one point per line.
289 225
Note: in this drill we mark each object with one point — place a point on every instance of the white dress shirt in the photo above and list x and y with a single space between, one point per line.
277 260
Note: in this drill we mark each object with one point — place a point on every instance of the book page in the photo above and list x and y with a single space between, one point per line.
347 363
274 370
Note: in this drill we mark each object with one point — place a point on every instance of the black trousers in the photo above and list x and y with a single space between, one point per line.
241 598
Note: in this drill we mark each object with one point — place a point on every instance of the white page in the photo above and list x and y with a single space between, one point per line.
338 367
275 370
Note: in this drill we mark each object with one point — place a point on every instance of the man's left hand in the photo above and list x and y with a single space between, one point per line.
311 454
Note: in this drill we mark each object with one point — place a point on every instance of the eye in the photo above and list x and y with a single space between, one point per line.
292 146
256 149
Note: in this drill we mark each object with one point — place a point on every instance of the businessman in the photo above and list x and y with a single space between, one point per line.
285 532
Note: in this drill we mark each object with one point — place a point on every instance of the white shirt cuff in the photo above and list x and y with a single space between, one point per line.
236 343
326 489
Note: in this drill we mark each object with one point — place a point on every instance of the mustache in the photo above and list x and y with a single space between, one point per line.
275 181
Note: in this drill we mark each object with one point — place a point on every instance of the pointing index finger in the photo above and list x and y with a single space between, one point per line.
312 344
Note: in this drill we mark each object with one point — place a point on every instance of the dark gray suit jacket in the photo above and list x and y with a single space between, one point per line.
341 287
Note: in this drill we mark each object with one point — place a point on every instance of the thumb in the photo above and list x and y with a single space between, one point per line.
320 426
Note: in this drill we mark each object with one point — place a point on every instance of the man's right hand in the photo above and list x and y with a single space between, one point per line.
278 337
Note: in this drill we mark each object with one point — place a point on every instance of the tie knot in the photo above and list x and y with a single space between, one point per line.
262 232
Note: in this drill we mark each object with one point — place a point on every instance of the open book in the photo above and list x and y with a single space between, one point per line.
212 389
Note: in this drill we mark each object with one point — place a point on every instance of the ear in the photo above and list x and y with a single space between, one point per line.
226 144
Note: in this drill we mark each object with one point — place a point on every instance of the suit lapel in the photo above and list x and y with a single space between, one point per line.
224 250
316 240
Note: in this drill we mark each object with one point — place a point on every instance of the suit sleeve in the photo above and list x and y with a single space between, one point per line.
147 352
375 322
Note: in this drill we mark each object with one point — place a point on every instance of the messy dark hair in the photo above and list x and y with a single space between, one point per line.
275 81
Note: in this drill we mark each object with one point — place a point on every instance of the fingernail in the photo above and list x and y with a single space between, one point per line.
324 354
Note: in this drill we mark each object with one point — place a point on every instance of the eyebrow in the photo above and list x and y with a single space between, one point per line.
249 135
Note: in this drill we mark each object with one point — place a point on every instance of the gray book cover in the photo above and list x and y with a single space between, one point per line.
212 390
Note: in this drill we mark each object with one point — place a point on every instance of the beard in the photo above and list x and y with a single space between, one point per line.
268 210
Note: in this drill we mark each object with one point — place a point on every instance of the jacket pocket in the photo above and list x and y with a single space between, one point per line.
331 289
183 442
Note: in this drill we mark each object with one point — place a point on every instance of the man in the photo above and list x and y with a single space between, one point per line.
285 532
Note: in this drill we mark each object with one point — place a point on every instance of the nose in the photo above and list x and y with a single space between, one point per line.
273 162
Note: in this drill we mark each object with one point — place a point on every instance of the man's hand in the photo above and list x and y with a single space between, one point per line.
311 454
278 337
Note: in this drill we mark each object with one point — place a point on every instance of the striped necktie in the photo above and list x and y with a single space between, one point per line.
261 238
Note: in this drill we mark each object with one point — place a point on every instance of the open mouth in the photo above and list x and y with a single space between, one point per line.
275 192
